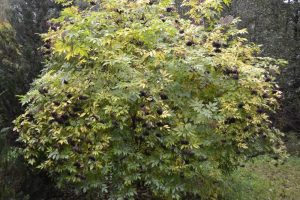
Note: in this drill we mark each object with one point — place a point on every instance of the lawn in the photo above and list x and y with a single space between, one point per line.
263 180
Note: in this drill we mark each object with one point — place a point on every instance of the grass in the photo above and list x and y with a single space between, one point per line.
262 180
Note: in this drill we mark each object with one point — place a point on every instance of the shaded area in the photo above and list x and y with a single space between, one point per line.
20 63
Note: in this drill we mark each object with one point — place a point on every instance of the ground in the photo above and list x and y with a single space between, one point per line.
263 180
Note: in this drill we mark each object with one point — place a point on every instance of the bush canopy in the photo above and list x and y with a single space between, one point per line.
136 102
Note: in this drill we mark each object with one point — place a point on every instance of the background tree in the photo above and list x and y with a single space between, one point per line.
29 19
20 62
9 74
275 24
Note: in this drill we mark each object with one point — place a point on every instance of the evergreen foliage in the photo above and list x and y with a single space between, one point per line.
10 79
20 61
138 103
10 72
29 19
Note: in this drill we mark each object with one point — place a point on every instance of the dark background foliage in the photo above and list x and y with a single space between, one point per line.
21 62
275 25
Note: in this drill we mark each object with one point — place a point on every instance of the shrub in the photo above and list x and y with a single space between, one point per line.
136 102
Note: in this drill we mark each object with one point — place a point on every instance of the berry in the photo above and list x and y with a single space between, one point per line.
71 141
73 115
260 111
46 53
92 158
159 111
184 142
29 117
235 76
218 50
78 165
159 124
188 152
162 17
169 9
43 90
82 97
143 94
54 28
76 149
275 157
69 96
140 43
65 81
234 71
268 79
189 43
47 45
119 11
77 109
56 103
230 120
254 92
62 119
246 129
241 105
216 45
227 71
151 2
163 96
265 95
54 114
